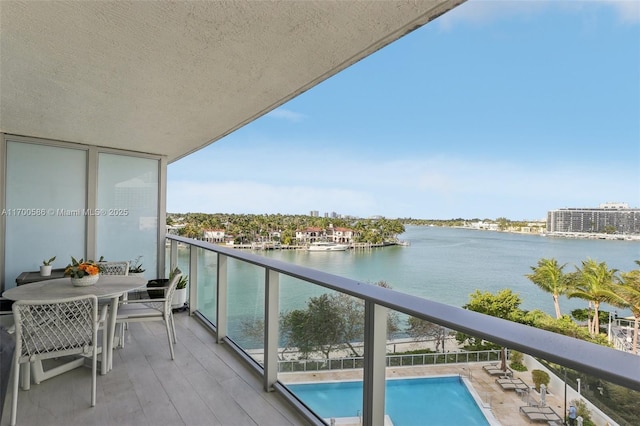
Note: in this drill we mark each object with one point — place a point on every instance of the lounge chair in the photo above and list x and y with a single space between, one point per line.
541 414
512 384
495 370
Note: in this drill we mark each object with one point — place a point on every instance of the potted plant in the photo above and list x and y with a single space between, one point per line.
162 282
45 269
180 295
83 273
135 267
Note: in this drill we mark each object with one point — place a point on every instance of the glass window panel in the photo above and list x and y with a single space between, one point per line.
45 201
127 200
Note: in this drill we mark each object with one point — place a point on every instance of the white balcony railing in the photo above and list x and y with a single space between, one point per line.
602 362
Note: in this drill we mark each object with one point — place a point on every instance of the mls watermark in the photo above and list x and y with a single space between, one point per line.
34 212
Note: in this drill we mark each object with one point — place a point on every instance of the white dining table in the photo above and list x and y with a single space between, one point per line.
108 287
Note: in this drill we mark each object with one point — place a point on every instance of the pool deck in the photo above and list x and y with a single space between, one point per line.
503 404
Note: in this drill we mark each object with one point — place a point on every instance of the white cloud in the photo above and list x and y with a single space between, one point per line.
286 115
436 187
484 12
256 198
628 10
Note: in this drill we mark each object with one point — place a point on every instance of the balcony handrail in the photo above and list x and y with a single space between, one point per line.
606 363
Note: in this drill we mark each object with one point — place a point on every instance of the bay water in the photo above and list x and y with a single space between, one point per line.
448 264
441 264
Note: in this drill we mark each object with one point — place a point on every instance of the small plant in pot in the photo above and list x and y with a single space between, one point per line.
162 282
45 269
180 295
135 267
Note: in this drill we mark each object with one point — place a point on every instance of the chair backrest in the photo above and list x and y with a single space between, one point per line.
115 268
52 328
173 282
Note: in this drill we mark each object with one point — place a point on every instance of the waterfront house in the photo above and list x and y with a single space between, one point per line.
213 235
340 235
96 96
310 234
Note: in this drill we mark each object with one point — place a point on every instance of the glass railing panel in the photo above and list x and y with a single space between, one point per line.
321 349
245 307
207 283
183 258
597 400
429 375
434 371
449 353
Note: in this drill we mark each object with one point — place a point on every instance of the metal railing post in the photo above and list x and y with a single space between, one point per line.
375 347
271 314
221 299
193 279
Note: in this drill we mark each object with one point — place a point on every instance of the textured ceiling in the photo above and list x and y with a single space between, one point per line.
168 77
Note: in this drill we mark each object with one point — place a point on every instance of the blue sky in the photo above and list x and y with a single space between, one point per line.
495 109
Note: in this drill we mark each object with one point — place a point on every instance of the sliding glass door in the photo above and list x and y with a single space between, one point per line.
63 200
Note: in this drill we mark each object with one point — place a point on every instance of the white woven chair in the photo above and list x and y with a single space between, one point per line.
140 310
54 328
114 268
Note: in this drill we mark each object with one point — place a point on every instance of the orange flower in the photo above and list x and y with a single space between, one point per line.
80 268
89 268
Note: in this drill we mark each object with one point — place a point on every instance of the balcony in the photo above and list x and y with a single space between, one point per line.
206 384
212 301
214 380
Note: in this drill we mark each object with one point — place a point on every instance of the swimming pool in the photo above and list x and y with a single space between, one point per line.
434 401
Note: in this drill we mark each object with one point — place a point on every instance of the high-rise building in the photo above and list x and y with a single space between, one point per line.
611 218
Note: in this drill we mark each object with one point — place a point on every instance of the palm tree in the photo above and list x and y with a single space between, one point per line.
549 277
594 282
629 292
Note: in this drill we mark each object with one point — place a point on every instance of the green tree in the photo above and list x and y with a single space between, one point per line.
330 322
594 282
503 223
420 329
629 293
316 328
505 304
549 277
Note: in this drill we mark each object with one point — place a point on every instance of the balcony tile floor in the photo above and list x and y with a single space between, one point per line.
205 385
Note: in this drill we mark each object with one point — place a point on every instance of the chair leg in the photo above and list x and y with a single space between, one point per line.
169 337
173 328
25 372
14 392
123 326
105 347
94 371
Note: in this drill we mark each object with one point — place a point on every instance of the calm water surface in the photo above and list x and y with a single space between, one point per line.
409 402
442 264
447 264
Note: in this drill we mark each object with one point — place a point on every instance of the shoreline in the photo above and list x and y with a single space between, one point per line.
569 235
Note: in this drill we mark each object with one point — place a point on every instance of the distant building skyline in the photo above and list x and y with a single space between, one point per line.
606 218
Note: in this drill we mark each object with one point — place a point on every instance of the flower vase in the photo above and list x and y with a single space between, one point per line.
45 270
179 298
85 281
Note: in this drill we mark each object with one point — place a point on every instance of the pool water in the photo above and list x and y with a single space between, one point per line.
429 401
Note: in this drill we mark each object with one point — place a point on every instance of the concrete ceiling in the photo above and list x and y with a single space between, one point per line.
169 77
